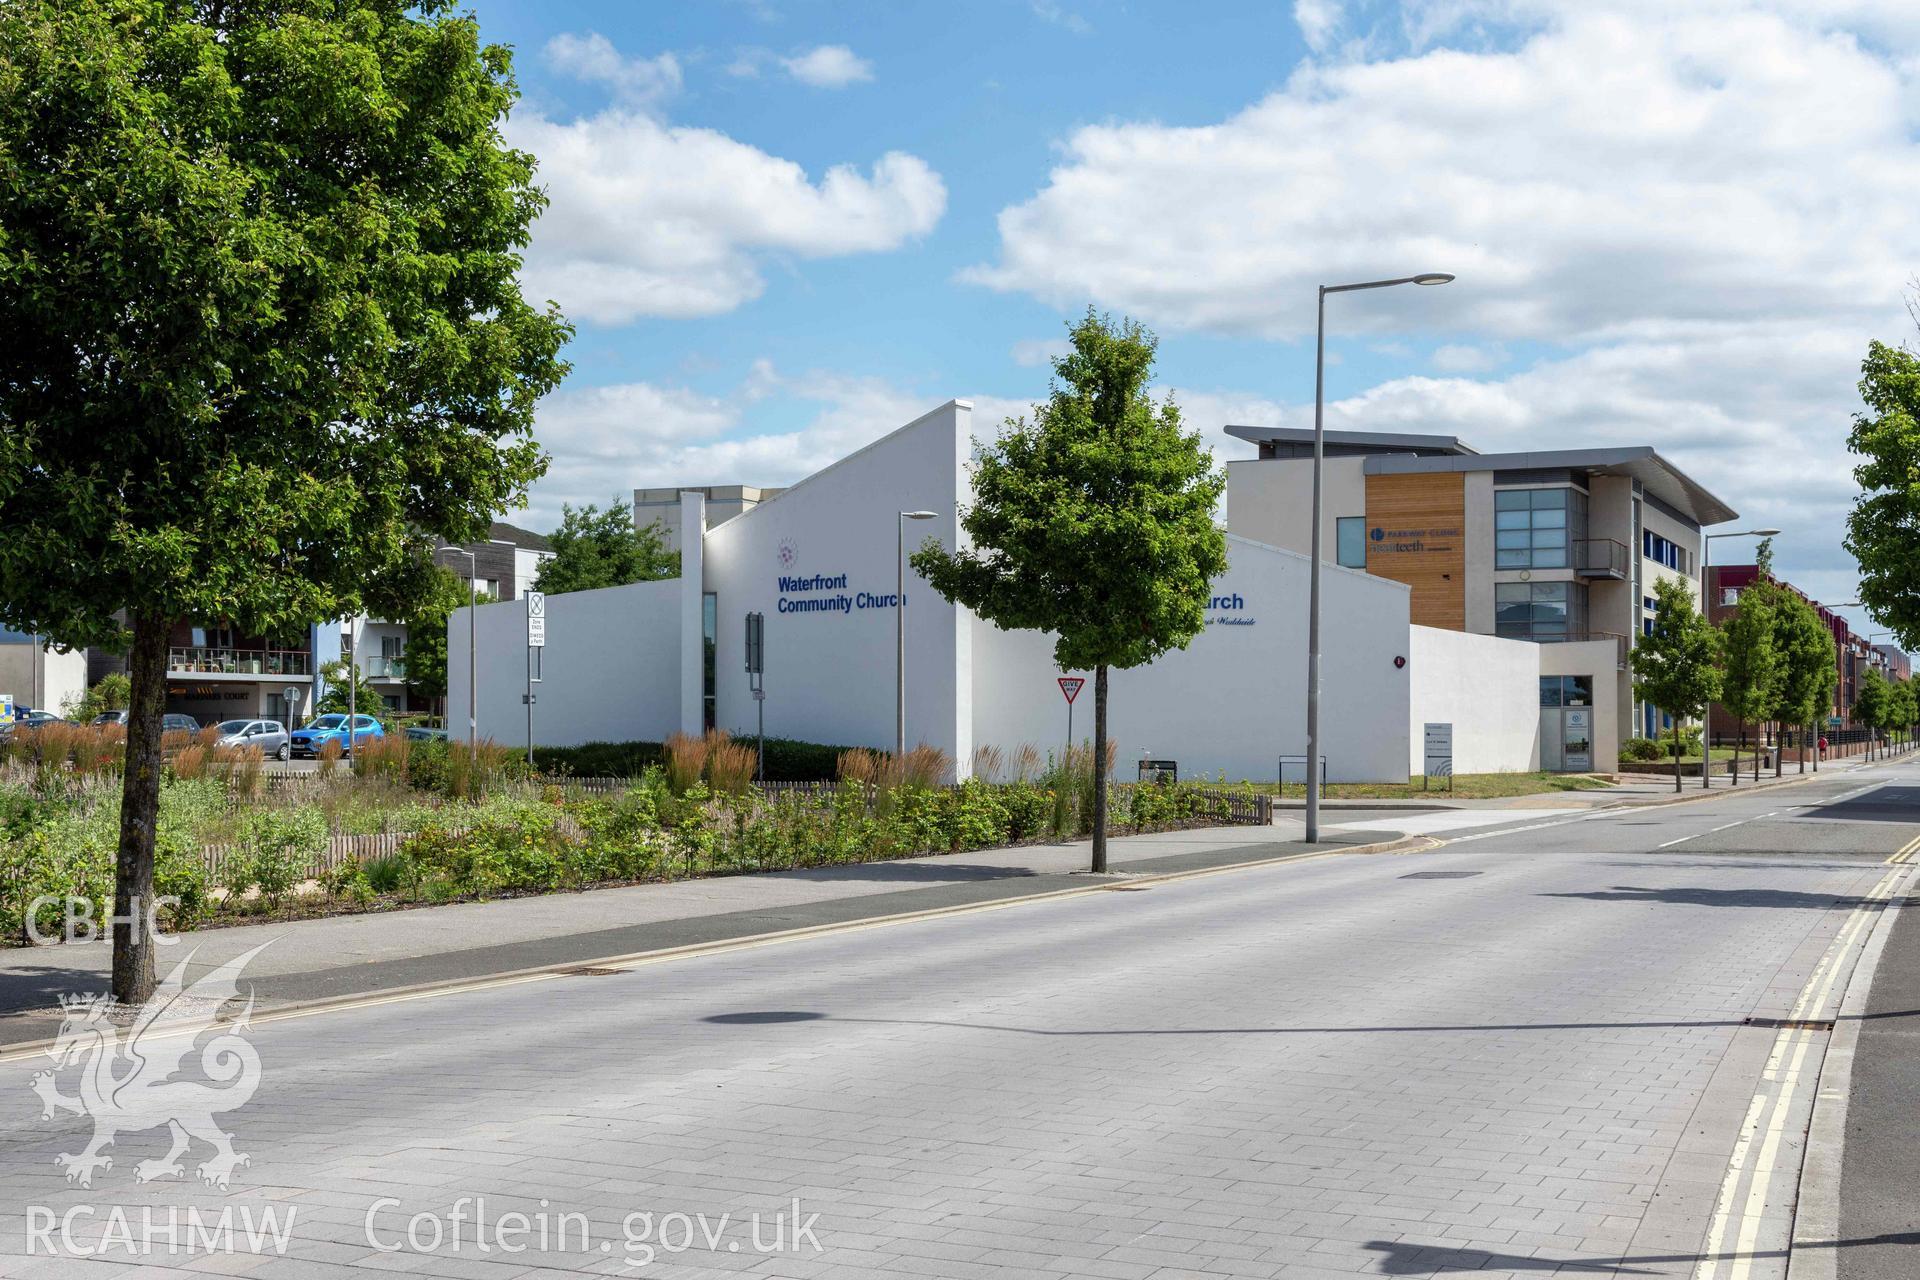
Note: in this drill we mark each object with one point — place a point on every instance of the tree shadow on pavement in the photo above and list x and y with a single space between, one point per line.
1407 1258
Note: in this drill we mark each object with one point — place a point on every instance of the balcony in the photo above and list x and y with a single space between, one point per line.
207 660
378 668
1600 558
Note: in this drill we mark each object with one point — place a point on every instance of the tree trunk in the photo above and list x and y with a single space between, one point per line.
1099 767
1739 741
139 812
1758 727
1676 755
1801 733
1779 749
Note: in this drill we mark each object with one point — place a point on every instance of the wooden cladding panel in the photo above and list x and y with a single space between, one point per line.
1421 522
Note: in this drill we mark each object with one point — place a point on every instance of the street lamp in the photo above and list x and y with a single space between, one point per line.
1313 569
900 630
473 680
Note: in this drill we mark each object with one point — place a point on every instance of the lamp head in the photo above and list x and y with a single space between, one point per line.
917 515
1766 533
1434 277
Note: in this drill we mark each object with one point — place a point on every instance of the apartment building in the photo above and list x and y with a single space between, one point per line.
1559 547
216 671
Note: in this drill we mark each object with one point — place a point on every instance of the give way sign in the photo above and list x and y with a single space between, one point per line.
1070 685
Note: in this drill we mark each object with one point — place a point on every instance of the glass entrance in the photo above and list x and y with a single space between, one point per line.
1566 724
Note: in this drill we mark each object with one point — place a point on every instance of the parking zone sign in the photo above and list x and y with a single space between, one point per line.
536 619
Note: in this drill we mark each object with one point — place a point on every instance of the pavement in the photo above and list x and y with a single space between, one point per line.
1568 1044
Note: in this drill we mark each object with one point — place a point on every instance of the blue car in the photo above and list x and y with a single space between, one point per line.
310 740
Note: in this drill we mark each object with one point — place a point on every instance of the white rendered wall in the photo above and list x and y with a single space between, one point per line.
1487 688
611 667
1271 500
1234 700
830 674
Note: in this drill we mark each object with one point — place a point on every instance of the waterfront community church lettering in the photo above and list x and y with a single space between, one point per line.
827 593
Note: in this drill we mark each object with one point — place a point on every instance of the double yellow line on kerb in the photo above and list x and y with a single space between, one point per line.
1905 853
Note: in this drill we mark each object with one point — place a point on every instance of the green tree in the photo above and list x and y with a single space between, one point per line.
594 548
426 655
1901 708
1750 667
110 693
335 675
1880 529
1809 670
1873 706
1674 663
264 339
1095 521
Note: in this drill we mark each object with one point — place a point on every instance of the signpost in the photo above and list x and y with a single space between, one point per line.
1437 753
756 679
536 652
1070 686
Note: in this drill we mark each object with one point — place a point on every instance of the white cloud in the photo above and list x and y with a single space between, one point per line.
1456 357
829 66
1061 16
635 82
1707 204
652 219
1039 353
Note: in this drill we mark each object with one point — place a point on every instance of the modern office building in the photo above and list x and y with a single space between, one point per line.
1560 548
820 562
36 675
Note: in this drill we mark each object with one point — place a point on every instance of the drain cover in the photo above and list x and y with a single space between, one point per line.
589 971
1439 875
1792 1024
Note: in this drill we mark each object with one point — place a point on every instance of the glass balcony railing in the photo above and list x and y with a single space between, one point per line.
240 662
1600 558
377 668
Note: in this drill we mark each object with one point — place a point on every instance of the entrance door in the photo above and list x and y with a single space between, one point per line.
1566 724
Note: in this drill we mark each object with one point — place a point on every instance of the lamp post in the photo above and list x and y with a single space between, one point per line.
900 630
473 680
1313 569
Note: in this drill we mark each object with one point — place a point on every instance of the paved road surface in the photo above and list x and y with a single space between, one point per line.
1522 1055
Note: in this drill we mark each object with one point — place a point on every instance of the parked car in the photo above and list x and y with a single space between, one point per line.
172 722
27 718
420 733
332 727
268 735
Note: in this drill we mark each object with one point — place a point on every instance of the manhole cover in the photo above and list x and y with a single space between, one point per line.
1439 875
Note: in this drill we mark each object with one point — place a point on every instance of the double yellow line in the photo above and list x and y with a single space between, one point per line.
1905 853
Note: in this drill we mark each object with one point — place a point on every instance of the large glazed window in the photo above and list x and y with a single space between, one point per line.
1547 612
1536 528
1350 535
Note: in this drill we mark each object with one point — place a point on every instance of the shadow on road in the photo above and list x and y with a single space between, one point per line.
1683 896
1399 1259
763 1017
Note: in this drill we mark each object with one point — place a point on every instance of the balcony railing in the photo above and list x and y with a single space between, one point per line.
241 662
1600 558
377 668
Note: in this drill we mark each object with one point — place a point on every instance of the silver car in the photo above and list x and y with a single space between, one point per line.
268 735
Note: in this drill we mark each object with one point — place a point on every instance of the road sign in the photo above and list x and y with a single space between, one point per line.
1437 750
756 643
1070 685
536 619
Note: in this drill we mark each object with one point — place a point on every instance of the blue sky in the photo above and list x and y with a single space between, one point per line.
784 227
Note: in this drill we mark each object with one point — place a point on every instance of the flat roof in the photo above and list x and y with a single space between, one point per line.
1381 441
1658 476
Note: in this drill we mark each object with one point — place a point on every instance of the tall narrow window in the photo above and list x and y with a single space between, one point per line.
1350 538
709 637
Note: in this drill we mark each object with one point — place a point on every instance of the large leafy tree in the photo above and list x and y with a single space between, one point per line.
1094 521
1885 523
263 338
1750 666
1873 705
1674 663
594 548
1809 670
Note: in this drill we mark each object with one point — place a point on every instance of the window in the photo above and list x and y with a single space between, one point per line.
1535 528
1661 551
1566 691
709 638
1546 612
391 647
1350 538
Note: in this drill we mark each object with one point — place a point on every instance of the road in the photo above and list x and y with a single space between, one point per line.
1527 1052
